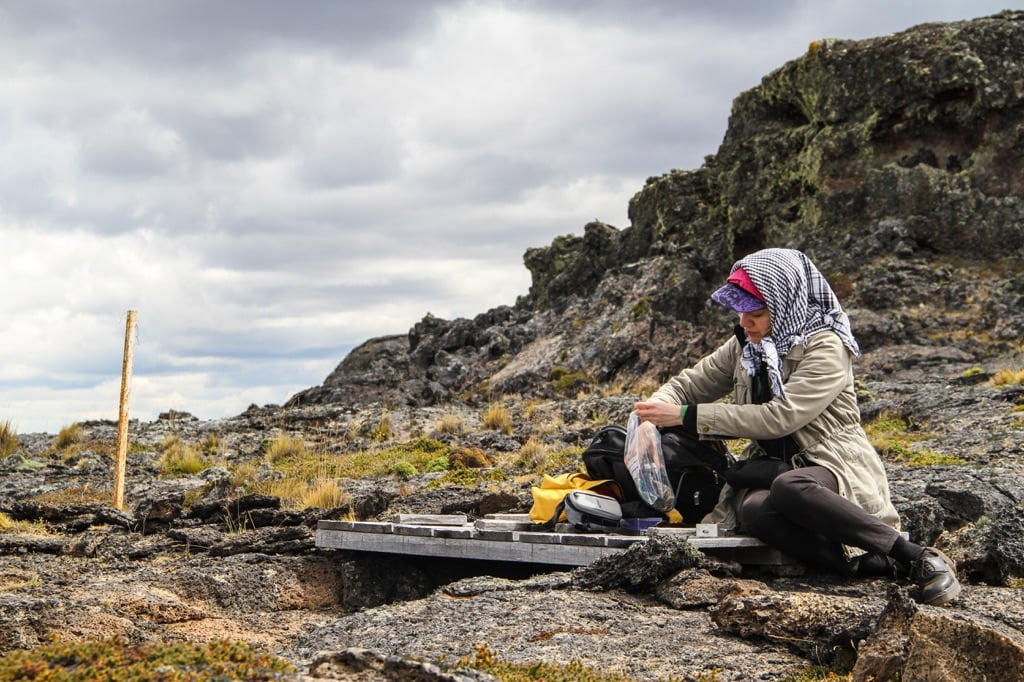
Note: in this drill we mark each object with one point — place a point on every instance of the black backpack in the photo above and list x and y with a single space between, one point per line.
696 469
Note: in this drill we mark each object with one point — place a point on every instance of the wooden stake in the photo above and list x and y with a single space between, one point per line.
122 418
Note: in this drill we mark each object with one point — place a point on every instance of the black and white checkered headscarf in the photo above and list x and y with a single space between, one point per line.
801 304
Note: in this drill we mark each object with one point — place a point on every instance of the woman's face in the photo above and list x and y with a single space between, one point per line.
757 324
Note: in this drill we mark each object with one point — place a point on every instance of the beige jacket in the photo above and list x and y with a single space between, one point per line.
820 411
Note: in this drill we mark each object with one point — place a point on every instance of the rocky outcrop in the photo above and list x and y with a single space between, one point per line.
907 144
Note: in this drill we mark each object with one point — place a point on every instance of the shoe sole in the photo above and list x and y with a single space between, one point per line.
944 597
951 592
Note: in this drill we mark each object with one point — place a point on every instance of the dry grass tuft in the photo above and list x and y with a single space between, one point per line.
82 494
22 527
296 492
498 418
470 458
385 428
69 436
285 447
178 458
8 438
451 424
211 446
532 455
1008 377
326 494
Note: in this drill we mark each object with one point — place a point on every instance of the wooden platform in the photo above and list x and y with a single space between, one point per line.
508 537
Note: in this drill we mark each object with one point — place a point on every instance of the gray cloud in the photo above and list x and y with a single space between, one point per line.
271 183
192 33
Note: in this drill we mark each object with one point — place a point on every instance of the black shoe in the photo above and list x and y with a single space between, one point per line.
935 576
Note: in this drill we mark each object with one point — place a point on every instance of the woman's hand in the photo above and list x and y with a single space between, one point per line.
658 413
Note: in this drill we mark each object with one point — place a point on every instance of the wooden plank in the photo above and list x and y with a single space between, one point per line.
461 548
420 531
585 539
503 524
672 530
356 526
467 532
497 535
558 548
430 519
333 524
538 537
624 541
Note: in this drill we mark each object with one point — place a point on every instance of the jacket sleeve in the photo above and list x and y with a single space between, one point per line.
705 382
822 374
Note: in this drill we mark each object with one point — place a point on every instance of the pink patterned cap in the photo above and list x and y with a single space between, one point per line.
739 293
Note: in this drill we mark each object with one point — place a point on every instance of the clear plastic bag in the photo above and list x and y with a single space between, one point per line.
646 464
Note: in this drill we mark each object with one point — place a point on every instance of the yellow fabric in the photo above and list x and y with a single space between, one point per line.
674 516
553 488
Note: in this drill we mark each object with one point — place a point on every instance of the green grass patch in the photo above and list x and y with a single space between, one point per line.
929 458
403 469
438 464
574 671
467 478
893 438
113 659
568 383
641 308
568 459
21 527
23 463
26 584
404 460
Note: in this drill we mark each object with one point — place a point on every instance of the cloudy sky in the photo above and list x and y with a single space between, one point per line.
271 183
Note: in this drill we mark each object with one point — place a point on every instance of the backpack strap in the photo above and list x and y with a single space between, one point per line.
550 523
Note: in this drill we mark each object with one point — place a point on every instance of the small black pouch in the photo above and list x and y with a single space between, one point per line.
757 472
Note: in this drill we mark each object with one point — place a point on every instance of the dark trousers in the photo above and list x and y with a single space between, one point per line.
804 516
